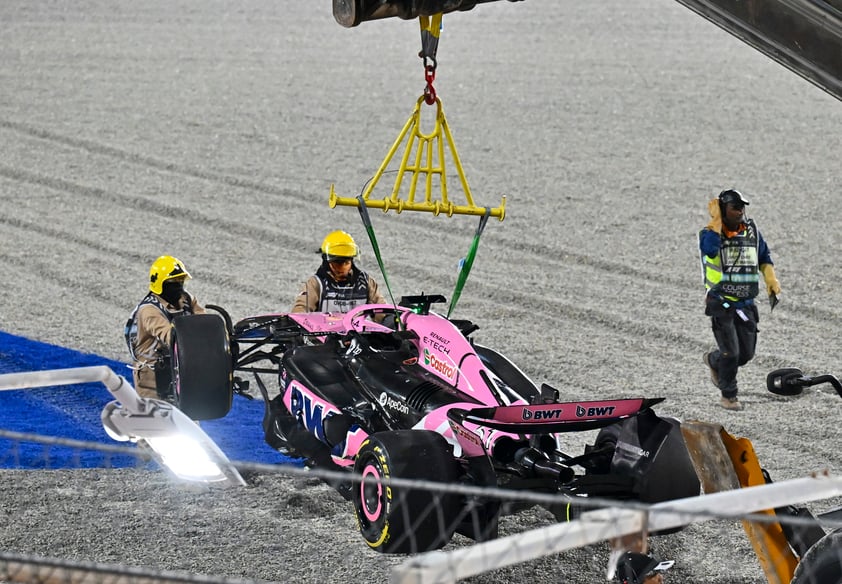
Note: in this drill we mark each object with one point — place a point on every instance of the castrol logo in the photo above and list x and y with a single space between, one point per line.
437 364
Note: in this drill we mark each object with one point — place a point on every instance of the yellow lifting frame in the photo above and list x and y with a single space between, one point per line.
429 161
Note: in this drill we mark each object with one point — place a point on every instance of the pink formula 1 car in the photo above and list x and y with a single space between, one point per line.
387 392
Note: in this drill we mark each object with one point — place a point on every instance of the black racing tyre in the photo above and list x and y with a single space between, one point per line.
348 13
822 564
202 366
397 519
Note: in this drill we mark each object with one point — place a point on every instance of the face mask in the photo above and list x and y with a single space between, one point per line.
172 292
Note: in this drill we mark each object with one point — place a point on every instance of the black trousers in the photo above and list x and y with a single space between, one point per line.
735 331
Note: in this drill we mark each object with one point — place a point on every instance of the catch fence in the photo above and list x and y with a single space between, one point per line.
716 536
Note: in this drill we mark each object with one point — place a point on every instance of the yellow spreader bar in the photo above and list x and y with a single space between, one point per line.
428 162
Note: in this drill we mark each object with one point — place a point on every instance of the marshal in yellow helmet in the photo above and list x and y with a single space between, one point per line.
163 269
339 245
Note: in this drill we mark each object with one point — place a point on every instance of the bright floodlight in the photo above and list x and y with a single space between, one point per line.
186 458
175 441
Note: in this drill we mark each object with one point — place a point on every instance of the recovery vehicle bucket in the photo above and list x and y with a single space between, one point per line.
723 463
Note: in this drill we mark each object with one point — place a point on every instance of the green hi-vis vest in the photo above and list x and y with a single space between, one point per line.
734 272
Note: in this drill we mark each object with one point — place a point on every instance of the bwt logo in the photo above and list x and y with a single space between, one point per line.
542 414
594 411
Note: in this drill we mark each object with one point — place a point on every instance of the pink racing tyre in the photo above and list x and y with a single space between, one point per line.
398 519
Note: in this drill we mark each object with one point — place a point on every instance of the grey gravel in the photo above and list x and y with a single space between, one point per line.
213 131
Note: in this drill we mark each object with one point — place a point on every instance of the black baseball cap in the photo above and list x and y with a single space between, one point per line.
634 567
732 197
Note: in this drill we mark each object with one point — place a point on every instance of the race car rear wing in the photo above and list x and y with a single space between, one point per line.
550 418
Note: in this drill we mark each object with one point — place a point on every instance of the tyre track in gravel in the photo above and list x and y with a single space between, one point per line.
195 217
559 309
595 312
134 203
98 148
807 315
57 276
528 249
112 251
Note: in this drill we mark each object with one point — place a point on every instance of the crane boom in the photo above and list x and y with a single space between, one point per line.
803 35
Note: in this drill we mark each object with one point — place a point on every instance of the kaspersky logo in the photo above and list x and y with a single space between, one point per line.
437 364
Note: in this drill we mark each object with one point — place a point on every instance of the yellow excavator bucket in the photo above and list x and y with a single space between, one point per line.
724 462
422 164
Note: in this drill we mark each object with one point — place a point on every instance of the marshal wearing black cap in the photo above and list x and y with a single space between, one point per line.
734 255
731 197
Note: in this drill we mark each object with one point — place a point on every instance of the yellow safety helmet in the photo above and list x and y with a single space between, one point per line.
339 245
163 269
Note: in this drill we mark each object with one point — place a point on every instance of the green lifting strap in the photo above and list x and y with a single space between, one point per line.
370 230
469 261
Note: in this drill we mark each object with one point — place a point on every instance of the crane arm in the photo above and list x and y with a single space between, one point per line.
803 35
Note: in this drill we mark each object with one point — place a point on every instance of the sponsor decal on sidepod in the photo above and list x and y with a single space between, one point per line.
391 403
437 364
